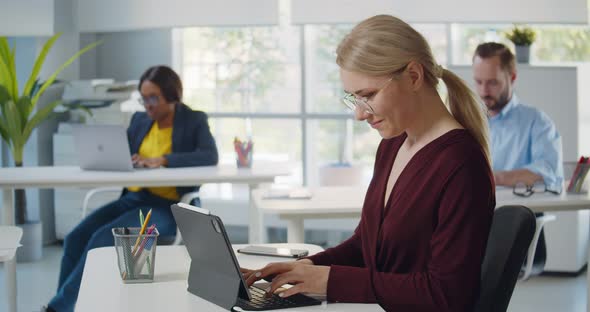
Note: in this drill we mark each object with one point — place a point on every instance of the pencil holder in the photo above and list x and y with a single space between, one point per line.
243 153
136 254
577 183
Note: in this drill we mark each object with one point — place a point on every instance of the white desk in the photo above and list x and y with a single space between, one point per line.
325 203
9 241
103 290
347 202
52 177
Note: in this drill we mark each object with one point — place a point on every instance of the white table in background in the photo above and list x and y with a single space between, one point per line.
332 202
103 290
9 241
70 176
346 202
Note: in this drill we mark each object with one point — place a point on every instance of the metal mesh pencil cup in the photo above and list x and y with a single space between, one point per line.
136 263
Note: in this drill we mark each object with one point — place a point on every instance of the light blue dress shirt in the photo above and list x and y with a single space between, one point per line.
523 137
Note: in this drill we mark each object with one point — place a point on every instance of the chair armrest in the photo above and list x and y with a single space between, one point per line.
93 192
541 221
188 197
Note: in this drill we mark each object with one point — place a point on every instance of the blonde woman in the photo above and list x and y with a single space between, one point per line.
427 213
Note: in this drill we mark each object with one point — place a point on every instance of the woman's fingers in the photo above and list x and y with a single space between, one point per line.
246 274
252 278
293 290
282 279
244 270
276 268
268 272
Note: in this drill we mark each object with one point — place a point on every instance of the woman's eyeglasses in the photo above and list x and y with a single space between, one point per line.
151 100
525 190
353 101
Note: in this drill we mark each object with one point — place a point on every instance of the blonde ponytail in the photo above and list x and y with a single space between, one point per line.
466 109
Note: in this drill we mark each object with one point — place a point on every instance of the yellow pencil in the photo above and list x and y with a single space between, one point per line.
145 222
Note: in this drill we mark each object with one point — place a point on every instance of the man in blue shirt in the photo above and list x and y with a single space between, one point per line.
525 144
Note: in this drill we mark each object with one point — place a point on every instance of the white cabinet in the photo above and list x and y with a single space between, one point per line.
68 201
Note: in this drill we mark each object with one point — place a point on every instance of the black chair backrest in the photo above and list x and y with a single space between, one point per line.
511 233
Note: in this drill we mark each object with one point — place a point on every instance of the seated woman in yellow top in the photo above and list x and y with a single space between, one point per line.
167 134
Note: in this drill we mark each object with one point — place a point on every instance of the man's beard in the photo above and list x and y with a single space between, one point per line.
497 105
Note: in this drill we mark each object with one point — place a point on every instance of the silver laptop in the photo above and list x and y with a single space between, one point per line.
102 147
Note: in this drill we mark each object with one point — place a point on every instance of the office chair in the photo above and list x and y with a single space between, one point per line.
186 198
511 233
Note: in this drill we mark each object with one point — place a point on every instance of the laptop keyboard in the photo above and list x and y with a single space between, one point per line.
260 302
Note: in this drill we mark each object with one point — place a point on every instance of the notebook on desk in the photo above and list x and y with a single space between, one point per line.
214 271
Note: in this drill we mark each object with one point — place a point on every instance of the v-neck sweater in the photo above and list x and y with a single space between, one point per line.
423 249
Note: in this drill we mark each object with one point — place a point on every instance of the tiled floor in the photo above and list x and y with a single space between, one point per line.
37 282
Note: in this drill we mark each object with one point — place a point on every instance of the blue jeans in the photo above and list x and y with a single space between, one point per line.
95 231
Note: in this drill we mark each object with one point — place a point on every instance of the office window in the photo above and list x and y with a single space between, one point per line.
322 79
237 75
250 69
249 80
436 35
282 144
554 44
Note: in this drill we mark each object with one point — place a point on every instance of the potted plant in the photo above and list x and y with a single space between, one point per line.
18 119
522 37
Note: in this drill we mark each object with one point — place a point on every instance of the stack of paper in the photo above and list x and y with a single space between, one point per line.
293 193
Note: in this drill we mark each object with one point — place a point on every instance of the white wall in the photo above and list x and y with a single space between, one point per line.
126 55
117 15
68 43
26 17
437 11
88 61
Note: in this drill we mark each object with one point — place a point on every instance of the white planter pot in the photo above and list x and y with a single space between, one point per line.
523 54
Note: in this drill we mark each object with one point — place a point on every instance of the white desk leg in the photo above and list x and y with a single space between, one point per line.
295 230
256 230
7 206
9 266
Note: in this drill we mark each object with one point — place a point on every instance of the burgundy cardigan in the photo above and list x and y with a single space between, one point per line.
423 251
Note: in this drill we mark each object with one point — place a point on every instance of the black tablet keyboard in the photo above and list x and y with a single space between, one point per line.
260 302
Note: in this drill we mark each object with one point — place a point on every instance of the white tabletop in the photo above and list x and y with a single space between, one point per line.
326 199
540 202
70 176
103 290
9 241
349 200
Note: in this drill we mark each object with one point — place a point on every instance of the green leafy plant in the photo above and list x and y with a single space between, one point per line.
521 36
18 117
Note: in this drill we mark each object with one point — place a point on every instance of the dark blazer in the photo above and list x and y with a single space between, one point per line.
192 141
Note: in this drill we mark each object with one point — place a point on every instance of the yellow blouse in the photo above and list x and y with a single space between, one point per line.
157 143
